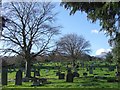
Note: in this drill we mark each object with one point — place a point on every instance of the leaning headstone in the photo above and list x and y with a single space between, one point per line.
18 80
4 73
69 76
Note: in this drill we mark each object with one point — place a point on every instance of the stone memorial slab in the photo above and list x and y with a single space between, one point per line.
18 79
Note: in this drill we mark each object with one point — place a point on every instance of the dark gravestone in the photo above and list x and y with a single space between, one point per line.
4 73
82 65
36 82
43 80
61 76
85 74
117 74
36 73
4 76
87 69
57 73
25 79
111 68
69 76
76 74
18 80
91 70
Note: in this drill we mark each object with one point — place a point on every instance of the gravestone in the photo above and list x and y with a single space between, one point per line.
36 82
57 73
87 69
91 70
111 68
76 74
61 76
4 76
25 79
37 73
69 76
43 80
117 74
4 73
85 74
82 65
18 80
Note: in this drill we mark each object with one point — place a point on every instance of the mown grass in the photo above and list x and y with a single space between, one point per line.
79 82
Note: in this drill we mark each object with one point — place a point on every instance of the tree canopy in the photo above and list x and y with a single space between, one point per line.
29 29
73 46
107 12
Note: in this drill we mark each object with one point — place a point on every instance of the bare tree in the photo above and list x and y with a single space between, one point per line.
73 46
30 29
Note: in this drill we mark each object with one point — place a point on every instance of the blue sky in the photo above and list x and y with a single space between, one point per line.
78 23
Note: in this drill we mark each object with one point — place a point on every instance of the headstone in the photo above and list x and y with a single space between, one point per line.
111 68
85 74
37 73
4 73
18 80
61 76
69 76
117 74
91 70
76 74
43 80
36 82
87 69
25 79
57 73
4 76
82 65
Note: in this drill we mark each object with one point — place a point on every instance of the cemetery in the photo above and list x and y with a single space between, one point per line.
51 75
37 52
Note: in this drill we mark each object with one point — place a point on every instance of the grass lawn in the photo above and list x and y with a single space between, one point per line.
79 82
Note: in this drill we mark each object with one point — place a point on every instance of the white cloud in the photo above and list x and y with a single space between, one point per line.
102 50
95 31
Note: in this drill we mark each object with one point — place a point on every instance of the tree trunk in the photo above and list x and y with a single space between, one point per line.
28 68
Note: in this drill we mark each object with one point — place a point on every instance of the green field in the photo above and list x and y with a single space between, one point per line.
48 71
